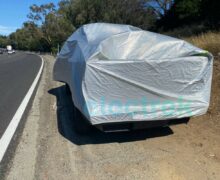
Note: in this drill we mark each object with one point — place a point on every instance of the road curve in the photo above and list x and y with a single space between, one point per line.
17 72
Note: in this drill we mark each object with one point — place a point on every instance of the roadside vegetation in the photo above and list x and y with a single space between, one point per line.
48 26
209 41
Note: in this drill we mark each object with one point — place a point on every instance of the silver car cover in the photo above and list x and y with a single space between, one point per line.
120 73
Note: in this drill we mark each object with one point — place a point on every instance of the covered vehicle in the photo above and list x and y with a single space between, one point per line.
120 74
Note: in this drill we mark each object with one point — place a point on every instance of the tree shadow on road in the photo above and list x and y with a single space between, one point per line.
65 110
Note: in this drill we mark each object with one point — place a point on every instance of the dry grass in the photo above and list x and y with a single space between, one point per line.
209 41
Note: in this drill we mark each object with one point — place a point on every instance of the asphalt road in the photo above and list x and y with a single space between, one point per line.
17 73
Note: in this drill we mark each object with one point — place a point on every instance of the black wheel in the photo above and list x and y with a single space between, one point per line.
81 125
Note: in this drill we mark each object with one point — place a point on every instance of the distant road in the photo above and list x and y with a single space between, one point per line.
17 72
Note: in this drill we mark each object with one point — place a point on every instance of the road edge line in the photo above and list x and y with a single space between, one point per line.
9 132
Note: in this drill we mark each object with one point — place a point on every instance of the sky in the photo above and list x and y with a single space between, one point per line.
14 12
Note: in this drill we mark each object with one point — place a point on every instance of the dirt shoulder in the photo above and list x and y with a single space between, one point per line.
50 149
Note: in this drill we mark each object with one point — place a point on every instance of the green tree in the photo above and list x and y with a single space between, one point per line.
134 12
3 41
210 12
27 38
54 27
186 12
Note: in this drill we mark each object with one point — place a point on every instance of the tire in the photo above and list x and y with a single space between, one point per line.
81 125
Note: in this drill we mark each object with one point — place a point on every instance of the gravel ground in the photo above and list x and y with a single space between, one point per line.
50 149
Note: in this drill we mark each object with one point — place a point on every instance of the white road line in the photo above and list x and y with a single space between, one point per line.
9 132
